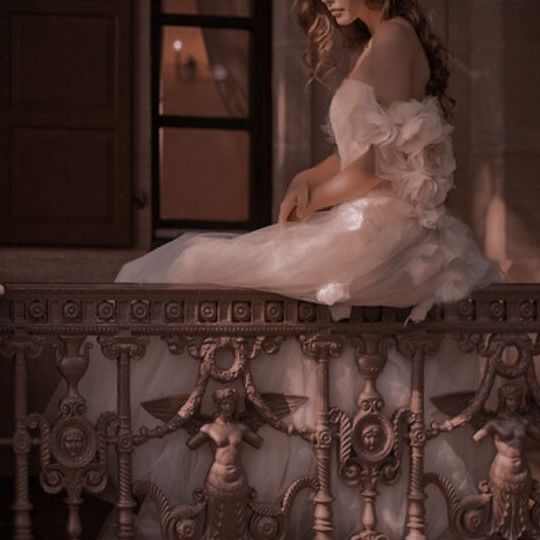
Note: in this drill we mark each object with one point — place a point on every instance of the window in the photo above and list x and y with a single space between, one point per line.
211 101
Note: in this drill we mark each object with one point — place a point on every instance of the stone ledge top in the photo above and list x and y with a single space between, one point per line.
106 308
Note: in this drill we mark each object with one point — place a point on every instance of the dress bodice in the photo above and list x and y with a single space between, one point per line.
411 140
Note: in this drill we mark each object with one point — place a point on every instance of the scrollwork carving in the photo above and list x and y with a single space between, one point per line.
182 522
321 346
493 346
132 347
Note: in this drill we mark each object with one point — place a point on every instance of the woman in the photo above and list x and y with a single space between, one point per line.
383 191
367 226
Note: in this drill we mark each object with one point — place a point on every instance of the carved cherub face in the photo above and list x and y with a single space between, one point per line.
510 398
73 442
513 402
226 400
372 437
227 407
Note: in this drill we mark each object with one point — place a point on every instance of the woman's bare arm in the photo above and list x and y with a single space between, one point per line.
294 204
323 171
393 54
353 182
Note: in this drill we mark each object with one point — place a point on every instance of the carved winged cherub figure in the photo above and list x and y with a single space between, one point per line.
510 475
226 486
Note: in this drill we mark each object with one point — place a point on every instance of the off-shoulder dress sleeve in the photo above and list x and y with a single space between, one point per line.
412 147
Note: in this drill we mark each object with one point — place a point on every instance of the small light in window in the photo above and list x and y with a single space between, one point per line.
177 45
220 72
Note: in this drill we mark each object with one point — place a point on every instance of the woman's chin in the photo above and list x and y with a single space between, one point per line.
344 19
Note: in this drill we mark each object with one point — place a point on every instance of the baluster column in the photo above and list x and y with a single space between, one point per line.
19 348
322 349
417 346
123 350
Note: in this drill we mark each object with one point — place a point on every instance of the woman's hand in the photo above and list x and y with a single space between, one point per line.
295 203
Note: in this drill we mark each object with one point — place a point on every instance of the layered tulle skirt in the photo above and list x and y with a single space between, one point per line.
371 251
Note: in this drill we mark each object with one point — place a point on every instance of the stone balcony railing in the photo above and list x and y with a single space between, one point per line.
199 322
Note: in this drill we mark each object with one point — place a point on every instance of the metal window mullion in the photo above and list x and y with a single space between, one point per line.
206 21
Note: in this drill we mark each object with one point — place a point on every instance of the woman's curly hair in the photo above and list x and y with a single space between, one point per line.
319 25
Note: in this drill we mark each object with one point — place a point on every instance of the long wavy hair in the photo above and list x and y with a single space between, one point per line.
320 26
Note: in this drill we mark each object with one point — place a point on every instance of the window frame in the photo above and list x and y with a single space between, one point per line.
258 123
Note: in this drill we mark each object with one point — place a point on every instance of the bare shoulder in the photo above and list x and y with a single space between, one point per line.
396 34
394 55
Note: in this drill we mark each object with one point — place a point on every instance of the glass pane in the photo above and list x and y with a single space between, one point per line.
204 174
204 72
228 8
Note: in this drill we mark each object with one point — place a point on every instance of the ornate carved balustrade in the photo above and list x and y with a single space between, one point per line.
369 446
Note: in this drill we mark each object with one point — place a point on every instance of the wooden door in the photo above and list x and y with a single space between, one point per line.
65 122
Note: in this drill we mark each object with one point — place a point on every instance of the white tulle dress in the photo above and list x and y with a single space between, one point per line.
396 247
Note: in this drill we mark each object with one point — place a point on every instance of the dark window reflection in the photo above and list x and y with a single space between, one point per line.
204 72
204 174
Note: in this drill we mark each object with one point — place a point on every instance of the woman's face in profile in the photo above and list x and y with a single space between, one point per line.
345 11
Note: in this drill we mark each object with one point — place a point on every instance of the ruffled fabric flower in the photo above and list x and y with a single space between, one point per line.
412 145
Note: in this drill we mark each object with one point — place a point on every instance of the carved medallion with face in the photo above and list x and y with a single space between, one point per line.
372 437
73 442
